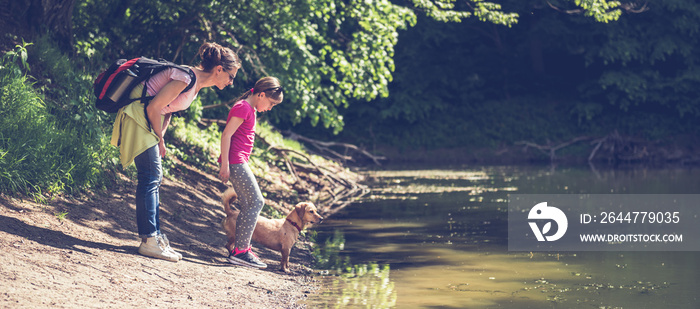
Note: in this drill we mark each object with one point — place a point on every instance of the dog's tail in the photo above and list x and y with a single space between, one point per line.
226 198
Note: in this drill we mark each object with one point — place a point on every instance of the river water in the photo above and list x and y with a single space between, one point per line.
437 238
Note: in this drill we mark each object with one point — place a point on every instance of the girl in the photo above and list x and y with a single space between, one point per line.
145 147
237 142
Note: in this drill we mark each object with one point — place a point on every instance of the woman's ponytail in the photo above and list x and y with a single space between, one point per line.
213 54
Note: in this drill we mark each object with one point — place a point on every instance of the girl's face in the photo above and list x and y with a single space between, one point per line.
225 78
266 103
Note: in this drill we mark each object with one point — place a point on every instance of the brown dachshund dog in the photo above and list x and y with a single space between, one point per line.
276 234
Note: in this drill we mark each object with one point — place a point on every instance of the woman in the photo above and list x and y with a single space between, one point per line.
145 147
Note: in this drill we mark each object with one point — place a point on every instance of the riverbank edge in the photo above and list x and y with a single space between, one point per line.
67 232
672 151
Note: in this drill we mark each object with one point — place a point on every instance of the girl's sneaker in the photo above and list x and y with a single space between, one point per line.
155 247
245 258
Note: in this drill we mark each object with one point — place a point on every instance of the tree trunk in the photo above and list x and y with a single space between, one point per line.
32 17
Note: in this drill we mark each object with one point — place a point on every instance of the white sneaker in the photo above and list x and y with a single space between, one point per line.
166 242
155 247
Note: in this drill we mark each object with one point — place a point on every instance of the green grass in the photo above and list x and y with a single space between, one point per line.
48 142
61 215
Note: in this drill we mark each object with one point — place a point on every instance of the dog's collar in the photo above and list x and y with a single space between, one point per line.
294 224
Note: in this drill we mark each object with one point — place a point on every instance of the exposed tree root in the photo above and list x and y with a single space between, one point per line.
331 186
615 147
324 148
550 149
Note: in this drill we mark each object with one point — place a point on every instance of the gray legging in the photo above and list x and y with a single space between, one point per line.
250 200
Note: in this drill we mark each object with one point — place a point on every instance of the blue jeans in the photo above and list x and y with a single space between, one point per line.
150 174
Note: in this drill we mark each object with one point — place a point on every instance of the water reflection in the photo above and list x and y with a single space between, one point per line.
347 285
438 238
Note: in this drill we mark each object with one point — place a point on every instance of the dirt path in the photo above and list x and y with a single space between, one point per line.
89 258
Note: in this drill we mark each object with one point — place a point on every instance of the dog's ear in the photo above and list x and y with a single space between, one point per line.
300 209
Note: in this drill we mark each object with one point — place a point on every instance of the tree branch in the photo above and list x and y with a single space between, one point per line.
325 147
252 55
550 149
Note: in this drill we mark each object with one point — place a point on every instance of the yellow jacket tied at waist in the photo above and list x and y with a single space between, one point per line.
130 132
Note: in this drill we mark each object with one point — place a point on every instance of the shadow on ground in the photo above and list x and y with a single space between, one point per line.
190 213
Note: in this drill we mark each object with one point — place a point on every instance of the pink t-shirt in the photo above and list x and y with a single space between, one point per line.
184 100
242 140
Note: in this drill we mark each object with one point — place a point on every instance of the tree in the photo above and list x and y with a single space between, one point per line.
555 75
37 16
651 60
326 52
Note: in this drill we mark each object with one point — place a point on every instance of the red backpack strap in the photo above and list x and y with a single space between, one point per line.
121 68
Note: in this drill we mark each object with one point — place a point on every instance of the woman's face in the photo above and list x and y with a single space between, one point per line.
225 78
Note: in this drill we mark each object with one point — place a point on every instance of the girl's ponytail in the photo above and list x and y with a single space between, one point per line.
270 85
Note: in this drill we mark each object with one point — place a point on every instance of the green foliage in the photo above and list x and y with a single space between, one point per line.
68 90
553 76
19 129
273 137
650 60
603 10
447 11
326 53
46 144
61 215
192 144
18 57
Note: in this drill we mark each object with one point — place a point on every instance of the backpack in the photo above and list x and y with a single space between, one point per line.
113 86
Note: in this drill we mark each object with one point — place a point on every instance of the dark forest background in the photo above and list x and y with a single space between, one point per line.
552 78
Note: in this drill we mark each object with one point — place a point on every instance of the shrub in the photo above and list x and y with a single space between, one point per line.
44 148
